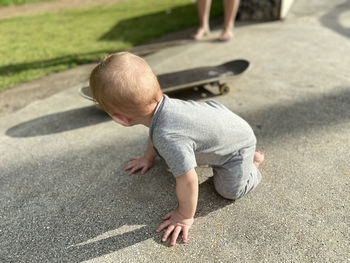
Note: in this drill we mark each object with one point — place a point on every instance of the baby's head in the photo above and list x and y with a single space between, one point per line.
124 83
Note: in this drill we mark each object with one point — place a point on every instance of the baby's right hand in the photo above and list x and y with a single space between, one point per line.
137 163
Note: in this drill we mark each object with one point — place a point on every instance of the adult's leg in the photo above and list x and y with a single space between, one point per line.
203 9
230 12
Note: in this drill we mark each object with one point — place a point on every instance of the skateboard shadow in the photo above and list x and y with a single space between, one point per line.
59 122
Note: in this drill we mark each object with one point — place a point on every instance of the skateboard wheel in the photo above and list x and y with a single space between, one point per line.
224 89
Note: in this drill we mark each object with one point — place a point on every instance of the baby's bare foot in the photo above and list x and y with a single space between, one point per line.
258 158
201 32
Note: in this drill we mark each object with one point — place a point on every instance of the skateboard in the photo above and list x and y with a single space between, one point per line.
202 76
196 77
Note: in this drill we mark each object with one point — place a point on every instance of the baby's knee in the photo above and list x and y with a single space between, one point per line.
238 189
228 192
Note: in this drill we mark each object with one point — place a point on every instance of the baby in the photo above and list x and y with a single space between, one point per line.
186 134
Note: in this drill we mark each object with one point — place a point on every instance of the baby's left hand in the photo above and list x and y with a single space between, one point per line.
175 223
138 163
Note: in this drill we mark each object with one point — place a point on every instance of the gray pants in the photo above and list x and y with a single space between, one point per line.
237 177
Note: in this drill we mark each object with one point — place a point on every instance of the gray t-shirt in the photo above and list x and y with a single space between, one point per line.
189 133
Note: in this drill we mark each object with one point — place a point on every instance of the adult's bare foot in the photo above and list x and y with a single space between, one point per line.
226 35
201 32
258 158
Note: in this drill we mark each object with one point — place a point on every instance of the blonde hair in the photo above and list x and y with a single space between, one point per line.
124 82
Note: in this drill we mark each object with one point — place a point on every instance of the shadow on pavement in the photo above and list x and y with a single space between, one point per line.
332 19
159 23
128 31
83 117
59 122
208 202
320 111
79 206
70 60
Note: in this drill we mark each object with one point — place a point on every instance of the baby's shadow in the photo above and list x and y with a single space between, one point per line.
209 200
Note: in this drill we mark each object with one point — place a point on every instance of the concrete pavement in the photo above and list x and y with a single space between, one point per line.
65 197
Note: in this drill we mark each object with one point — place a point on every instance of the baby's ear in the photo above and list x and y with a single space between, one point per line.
121 119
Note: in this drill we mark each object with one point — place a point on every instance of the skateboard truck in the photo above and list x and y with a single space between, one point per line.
224 88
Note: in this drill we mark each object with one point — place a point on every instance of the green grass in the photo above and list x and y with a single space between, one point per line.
19 2
34 46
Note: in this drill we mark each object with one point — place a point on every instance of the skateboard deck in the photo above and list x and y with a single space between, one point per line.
196 77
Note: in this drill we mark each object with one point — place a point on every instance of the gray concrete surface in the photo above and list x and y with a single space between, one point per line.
65 198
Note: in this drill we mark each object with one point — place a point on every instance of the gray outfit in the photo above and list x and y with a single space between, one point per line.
187 134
